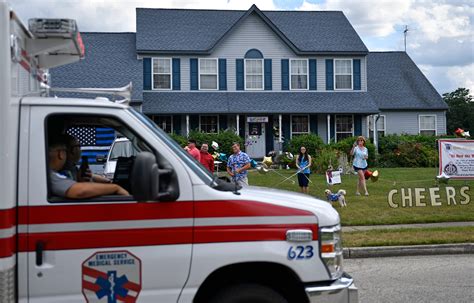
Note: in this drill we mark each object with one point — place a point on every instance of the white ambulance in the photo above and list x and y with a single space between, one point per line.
181 236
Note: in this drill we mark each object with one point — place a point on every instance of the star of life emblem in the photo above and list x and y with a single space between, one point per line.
111 277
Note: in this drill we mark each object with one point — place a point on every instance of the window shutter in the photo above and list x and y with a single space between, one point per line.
239 70
222 74
193 62
285 74
313 124
332 128
357 125
242 119
269 135
268 74
176 74
312 74
177 124
146 73
222 122
356 76
329 74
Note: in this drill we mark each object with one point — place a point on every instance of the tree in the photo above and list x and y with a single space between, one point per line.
461 110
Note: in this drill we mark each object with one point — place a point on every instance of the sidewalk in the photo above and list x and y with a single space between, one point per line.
408 250
399 226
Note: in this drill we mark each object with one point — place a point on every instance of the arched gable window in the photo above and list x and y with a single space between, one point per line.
253 70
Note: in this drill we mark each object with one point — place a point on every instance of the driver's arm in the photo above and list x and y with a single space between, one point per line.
85 190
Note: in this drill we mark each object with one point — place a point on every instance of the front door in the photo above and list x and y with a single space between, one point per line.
107 250
255 139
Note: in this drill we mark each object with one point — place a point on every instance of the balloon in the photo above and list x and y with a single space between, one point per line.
222 157
373 176
443 178
267 161
262 170
253 163
215 145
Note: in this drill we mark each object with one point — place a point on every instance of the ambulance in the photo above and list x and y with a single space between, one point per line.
181 236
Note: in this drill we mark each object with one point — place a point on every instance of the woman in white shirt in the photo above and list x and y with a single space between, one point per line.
361 154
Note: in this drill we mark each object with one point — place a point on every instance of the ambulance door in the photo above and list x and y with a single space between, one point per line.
112 250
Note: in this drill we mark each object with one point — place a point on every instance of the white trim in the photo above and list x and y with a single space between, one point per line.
152 118
352 73
307 74
435 126
216 74
237 122
153 73
291 125
335 126
209 116
280 140
245 74
374 127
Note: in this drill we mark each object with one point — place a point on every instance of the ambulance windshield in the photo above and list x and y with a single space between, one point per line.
200 171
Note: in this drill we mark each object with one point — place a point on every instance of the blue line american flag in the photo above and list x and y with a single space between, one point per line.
94 140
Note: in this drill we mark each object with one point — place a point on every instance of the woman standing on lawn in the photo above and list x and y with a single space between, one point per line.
303 164
361 154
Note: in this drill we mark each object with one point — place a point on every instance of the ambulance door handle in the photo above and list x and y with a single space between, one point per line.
39 253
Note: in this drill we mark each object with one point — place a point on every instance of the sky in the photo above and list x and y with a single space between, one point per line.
440 36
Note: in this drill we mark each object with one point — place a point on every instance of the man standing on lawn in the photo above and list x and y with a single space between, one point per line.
192 150
206 158
237 165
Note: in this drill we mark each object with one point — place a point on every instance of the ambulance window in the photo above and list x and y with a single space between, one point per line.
90 158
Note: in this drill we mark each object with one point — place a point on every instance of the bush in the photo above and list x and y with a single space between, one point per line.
346 144
313 143
327 156
224 138
181 140
410 154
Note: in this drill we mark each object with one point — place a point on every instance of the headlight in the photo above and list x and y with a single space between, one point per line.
331 250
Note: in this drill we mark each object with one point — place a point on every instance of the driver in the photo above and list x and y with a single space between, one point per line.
63 186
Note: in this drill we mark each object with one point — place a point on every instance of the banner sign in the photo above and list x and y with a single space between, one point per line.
257 119
456 158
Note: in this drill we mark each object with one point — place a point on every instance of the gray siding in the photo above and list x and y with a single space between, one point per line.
254 33
398 122
322 127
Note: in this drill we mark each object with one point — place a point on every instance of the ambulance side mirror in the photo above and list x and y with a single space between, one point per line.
145 177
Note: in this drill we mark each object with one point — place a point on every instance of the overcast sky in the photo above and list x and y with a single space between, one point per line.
440 37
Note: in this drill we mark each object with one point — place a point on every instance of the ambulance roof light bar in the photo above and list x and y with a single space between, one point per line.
46 28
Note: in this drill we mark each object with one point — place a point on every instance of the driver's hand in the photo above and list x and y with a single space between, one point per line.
121 191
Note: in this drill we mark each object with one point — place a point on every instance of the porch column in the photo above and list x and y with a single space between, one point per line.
279 129
237 122
376 139
329 127
187 125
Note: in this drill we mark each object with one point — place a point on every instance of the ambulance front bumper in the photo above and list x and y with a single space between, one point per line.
341 290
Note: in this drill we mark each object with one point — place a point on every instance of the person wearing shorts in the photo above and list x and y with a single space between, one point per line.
361 154
303 164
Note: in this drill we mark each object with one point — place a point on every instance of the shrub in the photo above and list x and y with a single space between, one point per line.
410 154
321 161
346 144
223 138
181 140
313 143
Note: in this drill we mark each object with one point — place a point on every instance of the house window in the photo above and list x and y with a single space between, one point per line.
344 126
343 73
164 122
162 73
380 126
299 125
253 74
427 125
209 124
299 73
208 74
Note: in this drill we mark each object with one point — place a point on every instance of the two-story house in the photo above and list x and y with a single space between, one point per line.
267 75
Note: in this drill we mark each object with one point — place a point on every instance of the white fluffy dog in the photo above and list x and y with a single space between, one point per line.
339 196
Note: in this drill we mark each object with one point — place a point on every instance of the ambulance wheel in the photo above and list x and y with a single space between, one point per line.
248 293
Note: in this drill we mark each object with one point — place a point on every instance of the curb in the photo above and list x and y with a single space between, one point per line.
411 250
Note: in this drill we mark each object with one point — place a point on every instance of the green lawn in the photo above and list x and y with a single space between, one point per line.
409 236
375 208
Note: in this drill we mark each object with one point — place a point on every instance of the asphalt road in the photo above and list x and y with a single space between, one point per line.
444 278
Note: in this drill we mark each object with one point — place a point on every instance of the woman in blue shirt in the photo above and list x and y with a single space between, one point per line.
303 163
361 154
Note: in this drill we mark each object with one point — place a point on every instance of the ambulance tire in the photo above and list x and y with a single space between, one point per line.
248 293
